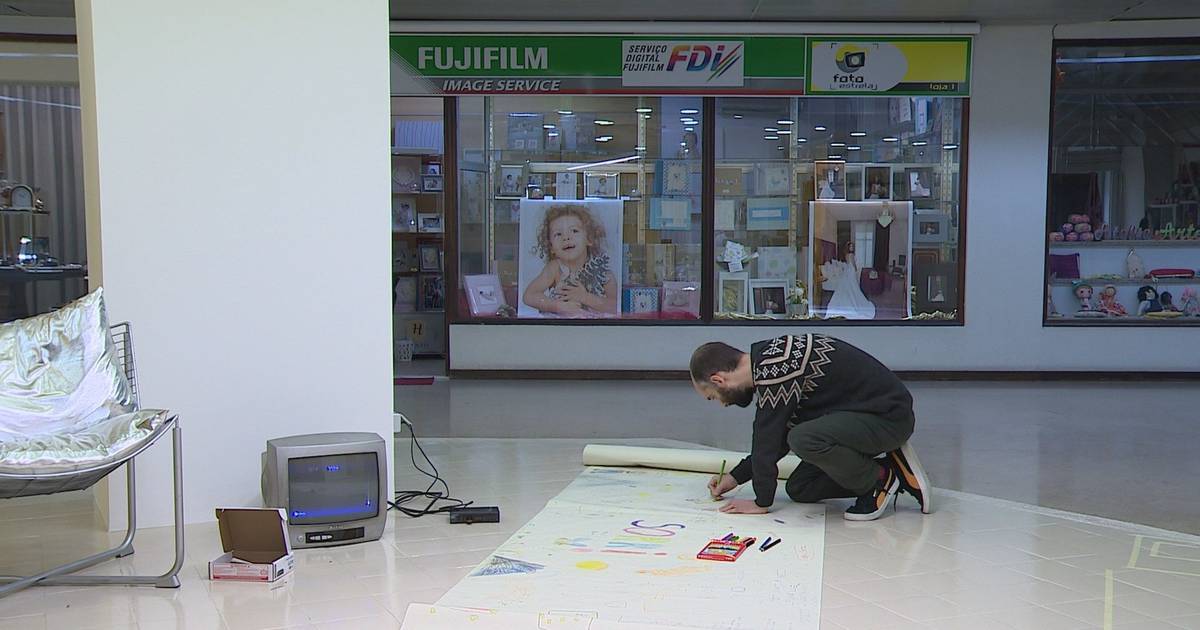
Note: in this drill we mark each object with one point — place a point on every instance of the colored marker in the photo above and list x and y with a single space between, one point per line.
777 541
719 478
765 543
729 537
749 542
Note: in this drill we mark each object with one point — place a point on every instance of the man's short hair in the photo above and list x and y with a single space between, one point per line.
711 358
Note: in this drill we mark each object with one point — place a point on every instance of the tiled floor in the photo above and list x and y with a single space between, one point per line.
1119 450
975 563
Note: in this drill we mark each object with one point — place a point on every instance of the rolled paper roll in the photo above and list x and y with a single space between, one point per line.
687 460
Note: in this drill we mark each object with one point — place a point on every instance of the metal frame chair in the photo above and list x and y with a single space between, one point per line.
33 484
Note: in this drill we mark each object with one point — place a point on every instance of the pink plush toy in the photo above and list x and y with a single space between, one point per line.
1078 218
1067 228
1083 227
1072 236
1056 236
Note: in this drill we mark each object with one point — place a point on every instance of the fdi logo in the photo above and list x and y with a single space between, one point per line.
702 57
674 63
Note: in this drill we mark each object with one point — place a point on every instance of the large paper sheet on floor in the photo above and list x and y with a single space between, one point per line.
672 458
618 546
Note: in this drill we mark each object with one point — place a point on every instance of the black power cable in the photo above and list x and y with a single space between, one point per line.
407 496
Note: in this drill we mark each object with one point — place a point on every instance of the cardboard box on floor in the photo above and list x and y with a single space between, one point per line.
255 543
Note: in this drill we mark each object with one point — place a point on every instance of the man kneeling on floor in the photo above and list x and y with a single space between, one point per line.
833 405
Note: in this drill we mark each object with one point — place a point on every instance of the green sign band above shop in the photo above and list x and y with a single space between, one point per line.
656 65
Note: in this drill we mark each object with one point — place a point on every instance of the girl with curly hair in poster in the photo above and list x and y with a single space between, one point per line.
577 280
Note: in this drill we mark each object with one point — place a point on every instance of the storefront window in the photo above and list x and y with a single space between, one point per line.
580 207
837 208
1123 245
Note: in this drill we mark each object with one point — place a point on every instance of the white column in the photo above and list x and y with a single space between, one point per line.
239 216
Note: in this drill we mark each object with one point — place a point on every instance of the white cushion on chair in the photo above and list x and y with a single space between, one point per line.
109 441
59 374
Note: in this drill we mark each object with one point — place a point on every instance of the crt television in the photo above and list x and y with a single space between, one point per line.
333 486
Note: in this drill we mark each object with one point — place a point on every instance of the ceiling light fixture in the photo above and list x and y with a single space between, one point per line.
604 123
891 139
820 128
784 132
604 163
801 140
548 126
689 128
689 111
919 143
950 146
565 112
784 121
737 116
854 147
771 137
770 129
857 134
834 157
837 145
603 138
644 110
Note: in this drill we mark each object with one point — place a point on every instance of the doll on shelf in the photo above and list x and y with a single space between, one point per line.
1168 302
1148 301
1083 292
1189 303
1109 303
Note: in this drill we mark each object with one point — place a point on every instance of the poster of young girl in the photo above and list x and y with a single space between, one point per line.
569 264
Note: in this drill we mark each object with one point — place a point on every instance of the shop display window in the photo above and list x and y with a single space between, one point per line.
594 207
580 207
1123 244
837 208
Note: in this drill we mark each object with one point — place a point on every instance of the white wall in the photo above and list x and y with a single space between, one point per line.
1006 197
231 148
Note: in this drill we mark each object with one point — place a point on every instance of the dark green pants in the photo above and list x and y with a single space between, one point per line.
836 452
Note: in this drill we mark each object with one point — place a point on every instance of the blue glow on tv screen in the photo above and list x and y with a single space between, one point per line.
333 488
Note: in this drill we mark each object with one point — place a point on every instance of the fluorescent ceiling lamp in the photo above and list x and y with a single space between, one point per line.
771 137
689 128
737 116
603 138
689 111
770 129
605 162
801 140
1137 59
552 134
646 116
891 139
820 128
784 132
639 148
643 110
779 147
834 157
548 126
853 147
950 146
523 115
604 123
784 121
565 112
857 134
837 145
919 143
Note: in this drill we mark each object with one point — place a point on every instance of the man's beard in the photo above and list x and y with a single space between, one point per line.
740 397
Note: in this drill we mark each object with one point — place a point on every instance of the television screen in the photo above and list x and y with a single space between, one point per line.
333 488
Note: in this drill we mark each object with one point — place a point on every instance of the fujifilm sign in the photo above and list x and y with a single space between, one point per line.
482 58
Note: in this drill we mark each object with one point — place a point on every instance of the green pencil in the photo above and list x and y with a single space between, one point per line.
720 477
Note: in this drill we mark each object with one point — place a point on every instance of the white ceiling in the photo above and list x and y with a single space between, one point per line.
985 11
